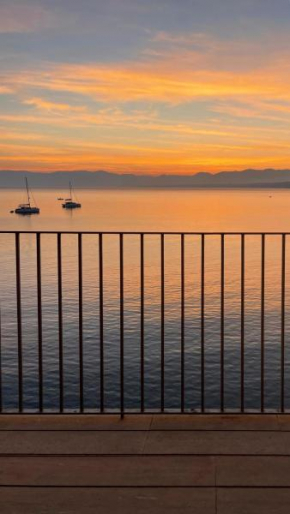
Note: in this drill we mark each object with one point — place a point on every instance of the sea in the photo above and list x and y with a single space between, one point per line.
151 210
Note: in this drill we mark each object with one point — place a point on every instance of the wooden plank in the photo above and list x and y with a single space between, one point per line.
253 501
253 471
284 421
107 471
144 422
218 443
72 442
215 422
74 422
104 501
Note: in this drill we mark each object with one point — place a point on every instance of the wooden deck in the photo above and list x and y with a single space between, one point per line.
145 464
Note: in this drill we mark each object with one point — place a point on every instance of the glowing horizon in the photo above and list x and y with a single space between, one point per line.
155 88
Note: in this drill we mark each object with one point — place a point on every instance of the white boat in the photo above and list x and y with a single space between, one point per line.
69 203
27 208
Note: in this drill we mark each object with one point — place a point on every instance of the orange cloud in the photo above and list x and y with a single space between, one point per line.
6 135
122 84
214 70
144 124
45 105
254 111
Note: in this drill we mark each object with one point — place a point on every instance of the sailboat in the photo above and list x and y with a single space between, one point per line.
27 208
69 203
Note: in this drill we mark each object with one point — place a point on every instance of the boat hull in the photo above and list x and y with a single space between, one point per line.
71 205
27 211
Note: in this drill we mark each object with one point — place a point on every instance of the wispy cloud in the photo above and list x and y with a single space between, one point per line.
142 83
5 90
12 135
53 107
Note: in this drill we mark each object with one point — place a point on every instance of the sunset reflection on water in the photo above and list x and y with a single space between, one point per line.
150 211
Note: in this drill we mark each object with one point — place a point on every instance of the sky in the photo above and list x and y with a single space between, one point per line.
144 86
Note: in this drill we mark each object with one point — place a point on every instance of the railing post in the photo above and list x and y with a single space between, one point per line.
101 313
242 320
262 320
202 278
222 379
142 319
182 321
1 401
81 352
122 325
162 321
283 287
19 321
60 321
39 311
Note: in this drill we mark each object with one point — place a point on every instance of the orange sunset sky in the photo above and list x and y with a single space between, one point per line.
156 86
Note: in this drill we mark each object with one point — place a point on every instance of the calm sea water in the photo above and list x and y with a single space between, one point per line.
151 210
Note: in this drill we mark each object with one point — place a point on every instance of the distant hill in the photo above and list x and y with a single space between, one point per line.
105 180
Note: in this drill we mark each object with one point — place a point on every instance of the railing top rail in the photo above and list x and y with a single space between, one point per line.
149 233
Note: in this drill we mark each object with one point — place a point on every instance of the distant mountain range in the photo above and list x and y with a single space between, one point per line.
268 178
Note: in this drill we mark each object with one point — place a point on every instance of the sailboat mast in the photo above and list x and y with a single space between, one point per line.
70 193
27 190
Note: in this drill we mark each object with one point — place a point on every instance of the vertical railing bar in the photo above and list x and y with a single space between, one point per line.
19 321
142 318
60 320
162 322
39 312
222 379
262 319
122 325
283 288
1 383
242 320
202 320
101 314
182 320
81 350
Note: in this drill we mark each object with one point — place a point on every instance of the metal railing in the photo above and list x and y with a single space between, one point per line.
139 404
